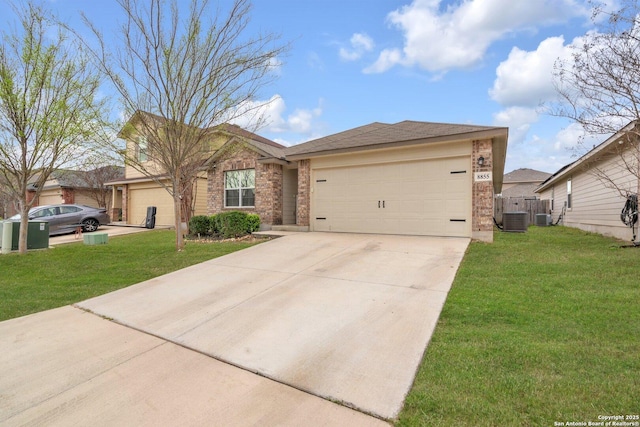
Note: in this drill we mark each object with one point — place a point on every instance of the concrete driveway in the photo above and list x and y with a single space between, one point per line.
345 317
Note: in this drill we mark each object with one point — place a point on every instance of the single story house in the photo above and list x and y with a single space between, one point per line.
522 183
66 186
590 193
414 178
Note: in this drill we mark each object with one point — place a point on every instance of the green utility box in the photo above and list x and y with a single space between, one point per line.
96 239
37 235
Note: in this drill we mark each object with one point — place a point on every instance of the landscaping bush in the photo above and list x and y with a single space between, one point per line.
215 224
235 224
224 224
253 222
200 225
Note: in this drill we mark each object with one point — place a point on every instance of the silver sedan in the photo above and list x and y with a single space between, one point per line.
67 218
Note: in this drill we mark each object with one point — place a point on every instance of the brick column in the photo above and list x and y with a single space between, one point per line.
125 203
68 196
304 193
482 194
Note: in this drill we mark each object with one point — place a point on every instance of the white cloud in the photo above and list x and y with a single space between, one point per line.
526 78
518 120
387 59
360 43
271 114
574 139
438 38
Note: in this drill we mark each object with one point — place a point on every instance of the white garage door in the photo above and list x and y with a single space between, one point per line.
427 197
47 198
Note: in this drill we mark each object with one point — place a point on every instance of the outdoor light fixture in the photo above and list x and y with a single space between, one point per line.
480 161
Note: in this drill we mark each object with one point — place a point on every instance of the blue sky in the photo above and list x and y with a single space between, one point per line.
353 62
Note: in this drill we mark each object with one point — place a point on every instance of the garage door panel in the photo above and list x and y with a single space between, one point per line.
141 198
397 198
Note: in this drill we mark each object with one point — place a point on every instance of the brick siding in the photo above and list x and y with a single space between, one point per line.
304 193
268 190
482 193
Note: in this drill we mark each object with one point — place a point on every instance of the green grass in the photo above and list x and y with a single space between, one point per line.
538 328
73 272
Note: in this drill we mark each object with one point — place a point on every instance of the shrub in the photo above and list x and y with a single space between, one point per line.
215 224
235 224
200 225
232 224
253 223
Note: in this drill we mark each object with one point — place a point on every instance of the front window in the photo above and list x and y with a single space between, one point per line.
239 188
143 148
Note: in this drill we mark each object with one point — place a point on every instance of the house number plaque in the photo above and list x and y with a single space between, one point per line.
482 176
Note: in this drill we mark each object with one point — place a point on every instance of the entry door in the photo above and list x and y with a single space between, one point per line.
428 197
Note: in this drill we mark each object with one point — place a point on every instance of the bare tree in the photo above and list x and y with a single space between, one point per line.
179 76
96 186
48 107
599 87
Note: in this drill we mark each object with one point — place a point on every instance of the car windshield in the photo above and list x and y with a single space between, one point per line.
17 216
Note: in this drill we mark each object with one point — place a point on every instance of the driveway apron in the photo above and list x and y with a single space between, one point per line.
346 317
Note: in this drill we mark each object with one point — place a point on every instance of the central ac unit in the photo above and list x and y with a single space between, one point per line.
515 221
543 220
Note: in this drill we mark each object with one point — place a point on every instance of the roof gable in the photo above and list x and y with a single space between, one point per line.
592 155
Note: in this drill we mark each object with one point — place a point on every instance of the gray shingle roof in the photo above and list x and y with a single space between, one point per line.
382 133
526 190
526 175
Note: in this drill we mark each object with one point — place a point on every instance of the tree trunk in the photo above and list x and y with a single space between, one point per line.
24 229
177 209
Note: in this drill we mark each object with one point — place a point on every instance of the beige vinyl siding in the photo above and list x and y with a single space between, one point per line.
132 172
559 190
201 196
289 193
411 153
595 207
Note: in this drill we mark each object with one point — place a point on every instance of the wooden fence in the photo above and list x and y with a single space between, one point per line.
530 206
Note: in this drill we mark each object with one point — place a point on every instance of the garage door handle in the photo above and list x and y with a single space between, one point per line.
378 204
383 204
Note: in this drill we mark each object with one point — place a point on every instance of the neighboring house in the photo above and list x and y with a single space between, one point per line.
140 191
585 200
414 178
522 183
79 187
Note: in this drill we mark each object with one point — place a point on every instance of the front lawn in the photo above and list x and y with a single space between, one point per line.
539 329
74 272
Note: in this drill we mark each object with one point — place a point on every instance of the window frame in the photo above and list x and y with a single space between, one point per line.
142 149
239 189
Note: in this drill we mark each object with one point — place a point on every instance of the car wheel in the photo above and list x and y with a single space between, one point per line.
90 225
